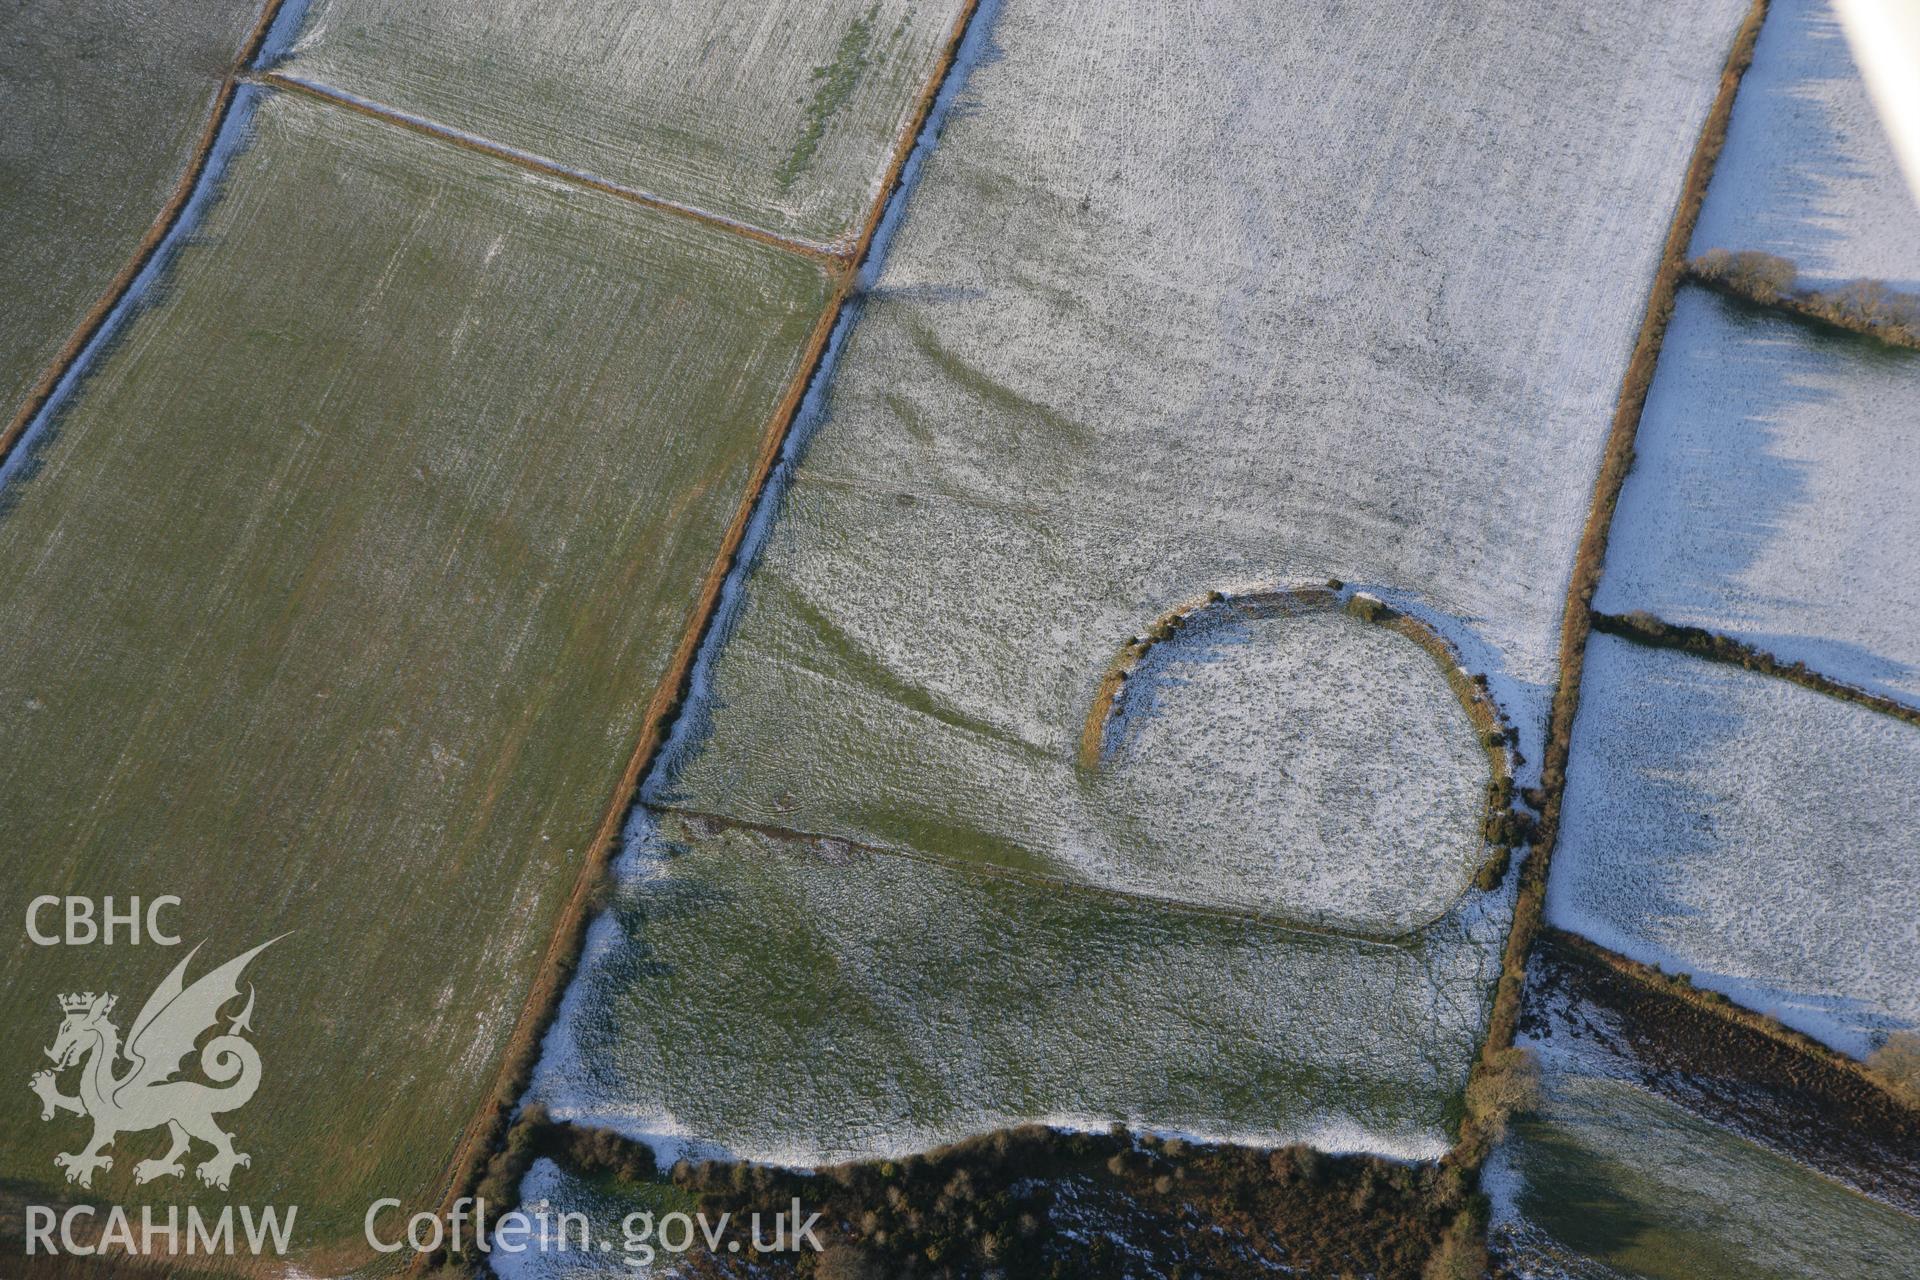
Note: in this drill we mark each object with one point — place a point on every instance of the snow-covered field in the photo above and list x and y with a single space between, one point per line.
1808 172
1775 495
805 1001
1750 833
1190 301
1183 301
1302 763
781 114
1611 1181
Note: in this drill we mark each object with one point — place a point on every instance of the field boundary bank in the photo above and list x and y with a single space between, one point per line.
1502 827
546 166
96 318
1477 1135
825 842
1645 629
1680 988
484 1136
1805 306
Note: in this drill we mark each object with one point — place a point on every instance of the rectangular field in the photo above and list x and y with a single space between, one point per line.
1775 495
104 106
1808 172
782 115
1613 1180
1752 834
1179 304
336 605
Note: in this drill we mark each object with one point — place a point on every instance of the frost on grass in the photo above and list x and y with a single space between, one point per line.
1314 768
781 114
1303 763
1775 495
1747 832
1200 300
1807 172
806 1002
335 599
1609 1181
104 104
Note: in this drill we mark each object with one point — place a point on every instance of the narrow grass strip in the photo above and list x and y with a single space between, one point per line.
1476 1133
163 224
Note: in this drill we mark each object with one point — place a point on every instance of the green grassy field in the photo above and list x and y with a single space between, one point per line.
103 111
804 1001
335 605
1619 1184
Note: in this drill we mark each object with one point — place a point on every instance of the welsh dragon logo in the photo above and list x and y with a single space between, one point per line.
145 1095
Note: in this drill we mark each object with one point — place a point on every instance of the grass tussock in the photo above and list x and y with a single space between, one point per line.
1897 1065
1866 307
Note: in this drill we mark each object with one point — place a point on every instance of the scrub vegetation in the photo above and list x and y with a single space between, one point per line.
1867 307
1897 1064
1029 1202
1643 628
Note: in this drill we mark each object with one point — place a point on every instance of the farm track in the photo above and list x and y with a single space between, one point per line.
1657 633
543 165
157 233
1589 562
485 1132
